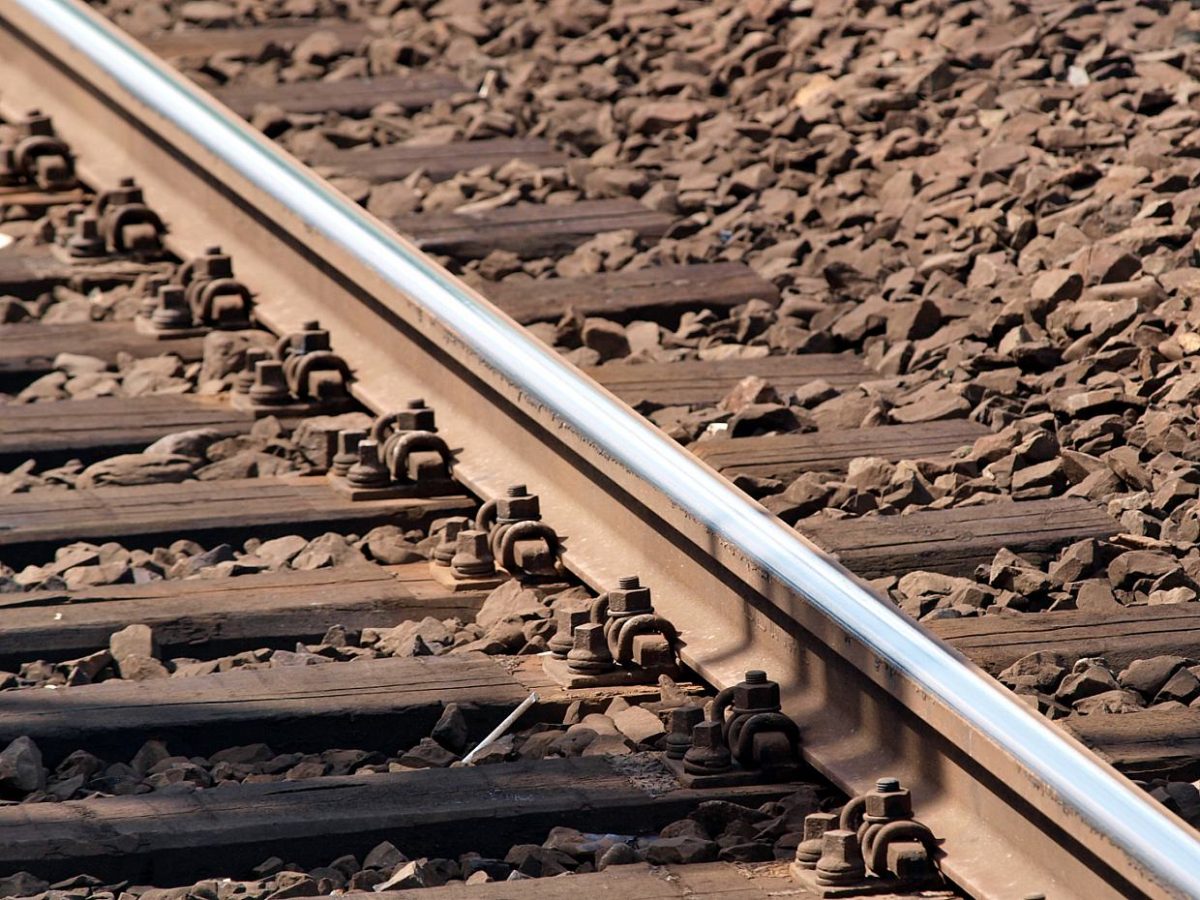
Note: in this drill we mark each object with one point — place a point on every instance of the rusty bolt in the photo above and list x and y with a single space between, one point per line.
172 311
566 620
368 472
708 753
629 598
888 801
213 264
808 851
312 342
841 859
270 384
87 240
517 505
416 416
756 692
589 655
347 451
473 557
248 376
149 301
681 721
447 546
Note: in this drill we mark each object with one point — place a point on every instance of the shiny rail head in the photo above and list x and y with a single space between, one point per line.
1164 850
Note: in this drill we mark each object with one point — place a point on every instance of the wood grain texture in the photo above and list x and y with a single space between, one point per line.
206 510
172 838
204 42
660 293
109 425
30 348
698 382
350 98
438 161
1136 632
208 618
955 541
1150 743
378 704
698 881
528 229
788 455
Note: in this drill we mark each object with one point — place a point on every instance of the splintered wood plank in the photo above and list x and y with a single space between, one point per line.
529 229
438 161
208 618
1149 743
201 510
660 293
171 838
376 704
1136 632
28 349
699 382
109 425
955 541
787 456
697 881
350 98
204 42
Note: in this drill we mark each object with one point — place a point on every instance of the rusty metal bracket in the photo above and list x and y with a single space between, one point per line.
302 377
746 738
617 639
215 296
406 455
873 846
31 153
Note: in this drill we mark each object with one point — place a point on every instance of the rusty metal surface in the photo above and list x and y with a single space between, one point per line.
1022 808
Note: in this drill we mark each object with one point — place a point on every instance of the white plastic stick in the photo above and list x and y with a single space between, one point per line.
499 730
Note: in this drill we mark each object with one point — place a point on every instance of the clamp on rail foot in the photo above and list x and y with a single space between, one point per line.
202 295
33 156
402 456
507 539
117 225
617 640
301 377
874 846
745 739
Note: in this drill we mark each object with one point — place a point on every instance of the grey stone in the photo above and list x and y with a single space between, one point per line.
680 850
1147 676
191 444
451 729
133 640
137 468
21 770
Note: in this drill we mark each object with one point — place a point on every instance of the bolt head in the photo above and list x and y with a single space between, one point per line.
708 735
518 508
756 696
683 719
841 858
816 824
628 602
889 805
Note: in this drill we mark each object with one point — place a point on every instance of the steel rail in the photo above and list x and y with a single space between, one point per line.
1021 807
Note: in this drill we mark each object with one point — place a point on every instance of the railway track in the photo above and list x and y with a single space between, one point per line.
1015 807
